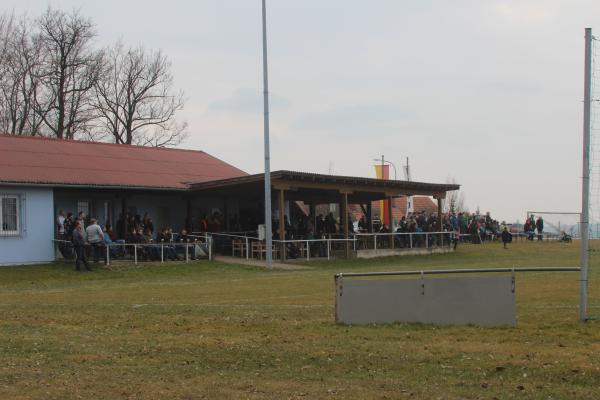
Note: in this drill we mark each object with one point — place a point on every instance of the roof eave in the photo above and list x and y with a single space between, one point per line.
95 186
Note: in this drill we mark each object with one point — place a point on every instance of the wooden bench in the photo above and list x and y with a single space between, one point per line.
259 248
238 245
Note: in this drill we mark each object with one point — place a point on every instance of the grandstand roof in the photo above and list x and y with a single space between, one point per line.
325 188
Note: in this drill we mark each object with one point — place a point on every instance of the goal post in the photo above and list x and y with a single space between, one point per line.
558 223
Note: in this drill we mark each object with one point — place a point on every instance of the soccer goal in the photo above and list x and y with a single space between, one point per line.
558 225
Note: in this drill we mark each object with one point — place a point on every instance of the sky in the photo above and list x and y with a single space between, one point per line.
484 93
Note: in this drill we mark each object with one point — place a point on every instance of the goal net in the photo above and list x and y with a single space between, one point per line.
557 223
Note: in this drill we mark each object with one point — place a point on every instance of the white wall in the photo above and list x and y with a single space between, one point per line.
34 244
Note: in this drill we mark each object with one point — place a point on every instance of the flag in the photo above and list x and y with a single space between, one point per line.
383 172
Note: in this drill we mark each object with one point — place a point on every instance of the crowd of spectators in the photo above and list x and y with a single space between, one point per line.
88 237
80 237
476 227
532 225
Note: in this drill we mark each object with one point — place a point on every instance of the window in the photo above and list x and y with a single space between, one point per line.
83 206
9 216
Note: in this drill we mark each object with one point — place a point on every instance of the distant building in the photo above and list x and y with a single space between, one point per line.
421 203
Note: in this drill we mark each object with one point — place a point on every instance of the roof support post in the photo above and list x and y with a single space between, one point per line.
391 214
370 216
188 214
226 213
282 224
439 222
344 211
123 231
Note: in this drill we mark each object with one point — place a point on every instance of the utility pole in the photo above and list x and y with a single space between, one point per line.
585 187
268 223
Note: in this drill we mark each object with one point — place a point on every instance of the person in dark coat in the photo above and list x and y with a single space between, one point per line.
69 225
539 224
79 245
506 236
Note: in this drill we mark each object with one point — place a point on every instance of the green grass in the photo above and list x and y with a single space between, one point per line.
211 330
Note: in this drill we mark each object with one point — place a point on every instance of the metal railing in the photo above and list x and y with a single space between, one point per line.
307 246
324 247
152 251
406 240
516 236
458 271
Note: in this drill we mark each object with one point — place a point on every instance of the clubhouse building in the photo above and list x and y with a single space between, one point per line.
177 188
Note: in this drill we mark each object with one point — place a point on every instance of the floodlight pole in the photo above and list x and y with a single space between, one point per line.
585 187
268 224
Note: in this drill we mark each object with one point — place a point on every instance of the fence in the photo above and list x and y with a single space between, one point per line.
408 240
146 251
327 246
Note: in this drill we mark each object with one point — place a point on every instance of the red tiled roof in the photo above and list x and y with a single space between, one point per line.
420 203
35 160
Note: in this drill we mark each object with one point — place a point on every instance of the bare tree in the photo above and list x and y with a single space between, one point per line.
136 100
6 31
69 70
19 80
455 200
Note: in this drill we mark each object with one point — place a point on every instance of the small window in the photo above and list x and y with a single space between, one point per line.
83 206
9 216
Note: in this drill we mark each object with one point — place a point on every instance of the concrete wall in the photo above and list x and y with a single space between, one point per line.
34 243
478 300
416 251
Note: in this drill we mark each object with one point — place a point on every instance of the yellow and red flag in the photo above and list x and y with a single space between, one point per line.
382 171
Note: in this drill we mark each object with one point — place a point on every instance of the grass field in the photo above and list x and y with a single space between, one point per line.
217 331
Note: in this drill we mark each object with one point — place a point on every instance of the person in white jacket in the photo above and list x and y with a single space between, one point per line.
95 238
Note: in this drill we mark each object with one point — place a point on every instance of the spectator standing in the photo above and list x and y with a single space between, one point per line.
204 223
60 225
362 225
320 225
95 237
149 226
506 236
145 220
69 225
463 223
351 224
539 224
79 245
81 218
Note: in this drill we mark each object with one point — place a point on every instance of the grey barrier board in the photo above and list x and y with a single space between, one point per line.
486 301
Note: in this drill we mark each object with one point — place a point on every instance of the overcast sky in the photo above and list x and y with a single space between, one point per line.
487 93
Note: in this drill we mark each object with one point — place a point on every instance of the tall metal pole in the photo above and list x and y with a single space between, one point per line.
409 199
268 225
585 187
